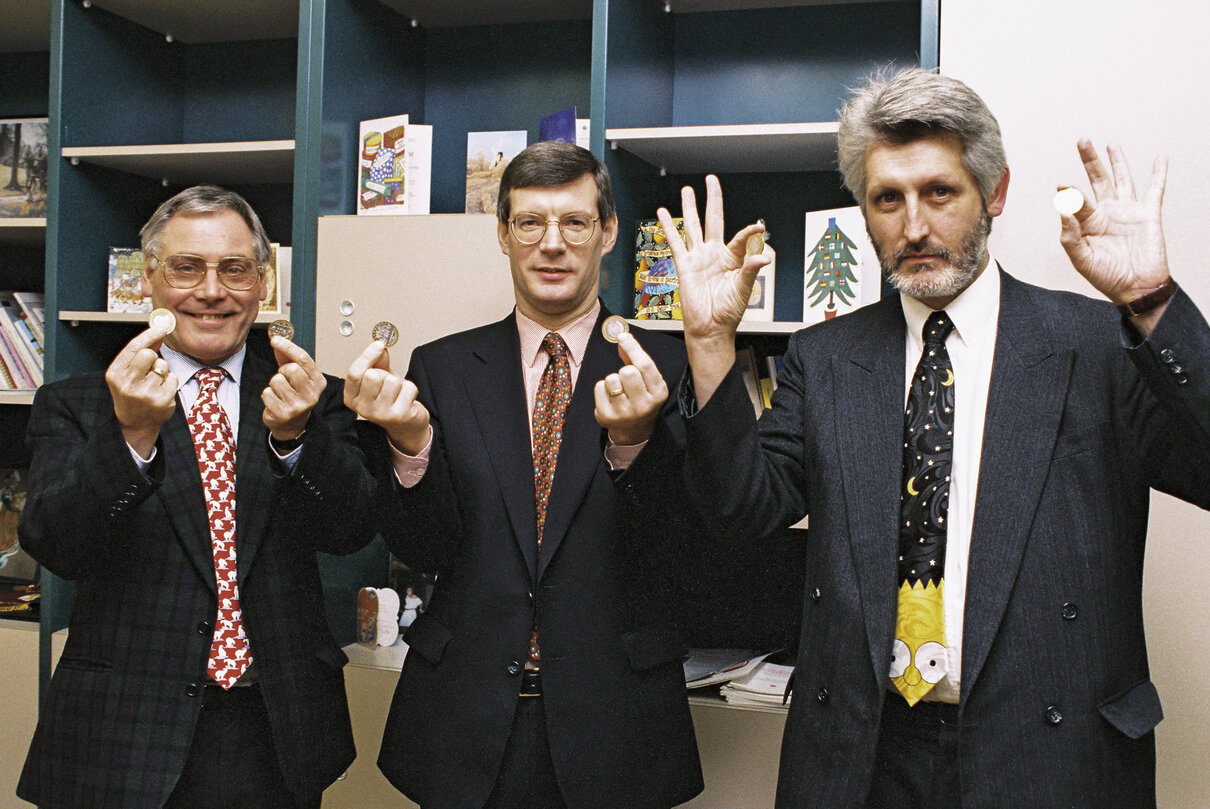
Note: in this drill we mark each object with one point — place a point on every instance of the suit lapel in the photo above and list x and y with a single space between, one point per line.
254 493
182 497
496 391
867 413
581 451
1029 383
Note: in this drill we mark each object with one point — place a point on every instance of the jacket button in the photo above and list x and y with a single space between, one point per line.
1053 715
514 668
529 598
192 690
203 628
822 695
1181 379
1167 356
816 595
1070 611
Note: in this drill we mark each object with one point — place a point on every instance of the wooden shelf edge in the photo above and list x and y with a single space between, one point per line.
156 149
16 397
741 148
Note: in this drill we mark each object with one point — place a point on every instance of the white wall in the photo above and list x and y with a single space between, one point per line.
1132 73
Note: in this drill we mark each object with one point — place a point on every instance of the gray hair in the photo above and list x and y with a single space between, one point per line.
203 199
912 104
551 163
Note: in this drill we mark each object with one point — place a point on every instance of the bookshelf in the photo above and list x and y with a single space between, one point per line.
266 97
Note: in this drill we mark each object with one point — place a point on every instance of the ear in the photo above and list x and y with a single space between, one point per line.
995 203
609 234
145 281
502 236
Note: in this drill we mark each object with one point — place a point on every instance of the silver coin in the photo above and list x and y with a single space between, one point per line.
162 320
281 328
386 332
1068 201
614 327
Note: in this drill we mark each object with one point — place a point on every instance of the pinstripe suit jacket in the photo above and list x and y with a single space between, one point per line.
118 719
600 591
1057 706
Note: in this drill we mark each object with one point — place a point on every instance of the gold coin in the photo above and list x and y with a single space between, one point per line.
281 328
1068 201
386 332
162 320
756 242
614 327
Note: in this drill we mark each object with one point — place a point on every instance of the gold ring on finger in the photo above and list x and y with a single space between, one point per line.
617 392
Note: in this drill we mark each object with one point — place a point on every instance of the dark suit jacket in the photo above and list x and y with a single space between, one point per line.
612 680
118 719
1057 707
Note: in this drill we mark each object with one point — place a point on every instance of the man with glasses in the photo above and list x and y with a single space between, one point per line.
534 468
186 492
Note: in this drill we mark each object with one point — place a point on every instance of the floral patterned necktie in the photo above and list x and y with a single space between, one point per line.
919 659
550 407
214 444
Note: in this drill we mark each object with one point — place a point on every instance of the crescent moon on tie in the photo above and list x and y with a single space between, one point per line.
910 490
949 378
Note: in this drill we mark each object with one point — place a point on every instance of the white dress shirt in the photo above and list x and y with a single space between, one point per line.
971 347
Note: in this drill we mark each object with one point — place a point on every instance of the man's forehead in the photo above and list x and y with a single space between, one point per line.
932 155
582 192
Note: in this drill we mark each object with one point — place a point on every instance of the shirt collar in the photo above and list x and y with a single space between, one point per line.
974 310
185 366
576 334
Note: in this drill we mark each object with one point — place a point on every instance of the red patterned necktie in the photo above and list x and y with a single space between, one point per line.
550 406
215 446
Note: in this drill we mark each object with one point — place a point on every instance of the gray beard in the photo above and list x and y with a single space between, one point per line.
960 269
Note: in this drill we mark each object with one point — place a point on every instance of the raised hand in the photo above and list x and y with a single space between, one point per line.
1118 242
293 391
715 280
378 395
628 402
143 390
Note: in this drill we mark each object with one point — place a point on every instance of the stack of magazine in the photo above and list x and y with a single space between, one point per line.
21 337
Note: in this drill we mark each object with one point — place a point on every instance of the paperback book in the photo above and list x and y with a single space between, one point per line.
842 270
487 156
657 293
394 166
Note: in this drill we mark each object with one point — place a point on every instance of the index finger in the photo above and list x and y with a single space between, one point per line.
634 354
1098 177
366 360
293 352
148 338
675 243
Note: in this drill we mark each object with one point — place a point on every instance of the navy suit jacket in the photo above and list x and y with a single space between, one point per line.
118 719
600 591
1057 706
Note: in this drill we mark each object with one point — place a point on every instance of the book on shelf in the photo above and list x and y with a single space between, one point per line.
125 287
487 156
34 306
749 369
20 337
395 161
23 158
657 294
564 126
14 366
841 268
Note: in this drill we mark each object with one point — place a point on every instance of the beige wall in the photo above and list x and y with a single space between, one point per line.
1132 73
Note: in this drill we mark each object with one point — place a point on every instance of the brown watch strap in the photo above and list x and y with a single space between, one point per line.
1145 303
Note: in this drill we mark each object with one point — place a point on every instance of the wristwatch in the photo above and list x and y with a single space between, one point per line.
1145 303
287 446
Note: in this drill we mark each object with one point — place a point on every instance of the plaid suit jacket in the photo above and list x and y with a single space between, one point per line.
119 716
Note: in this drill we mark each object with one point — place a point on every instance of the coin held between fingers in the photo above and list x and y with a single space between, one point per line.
386 332
756 242
162 320
282 328
612 328
1068 201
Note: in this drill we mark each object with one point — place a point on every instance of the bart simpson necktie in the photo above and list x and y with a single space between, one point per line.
919 657
214 444
550 407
